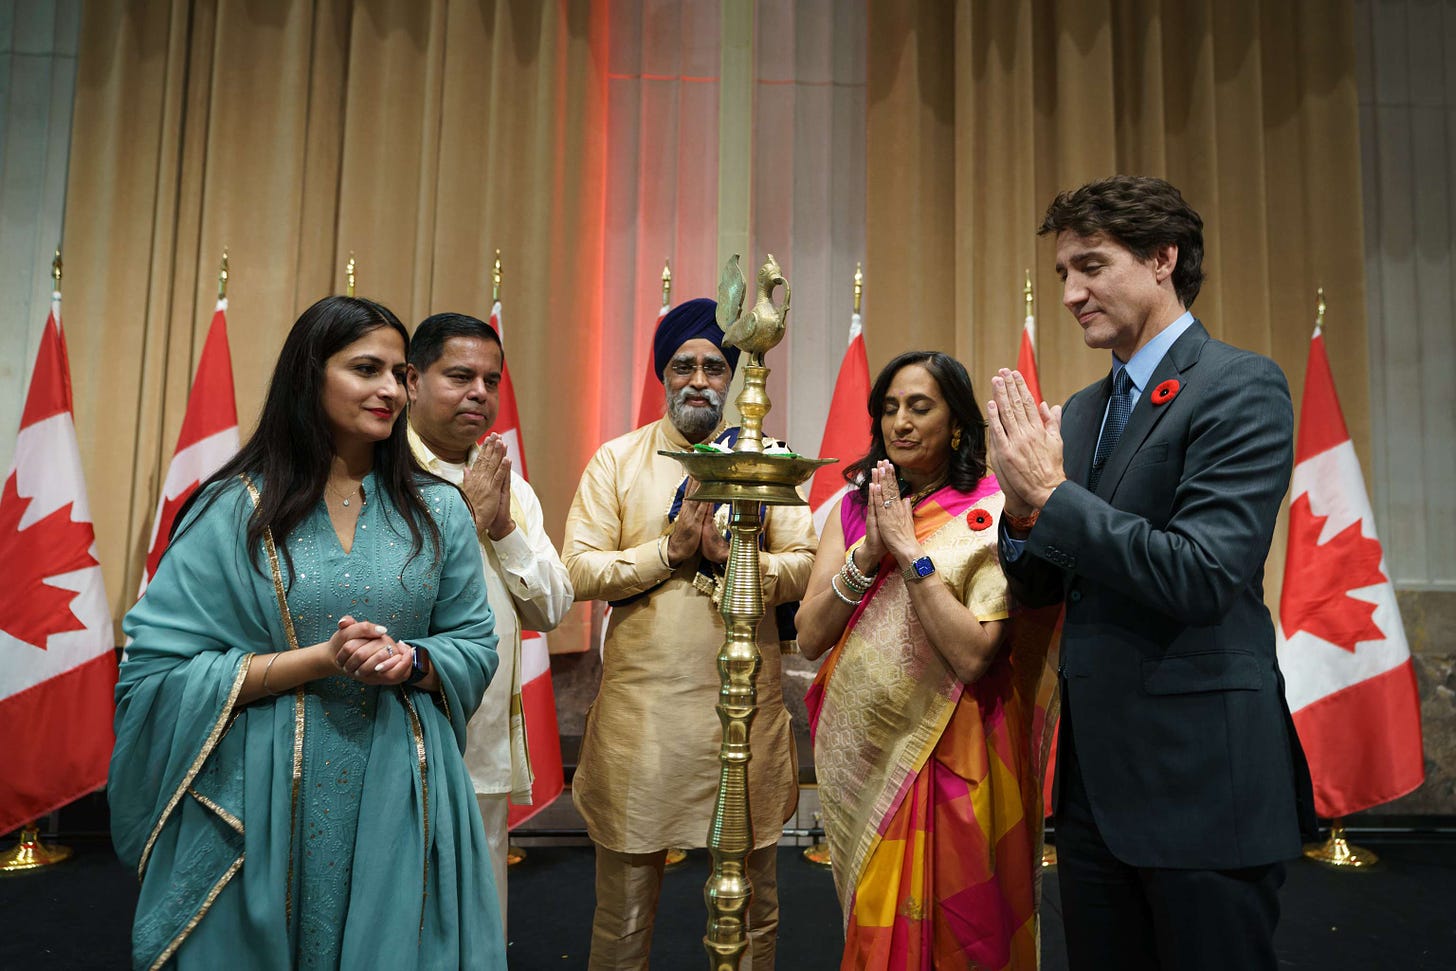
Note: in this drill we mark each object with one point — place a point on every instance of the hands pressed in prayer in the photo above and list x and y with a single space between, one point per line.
367 653
712 545
488 487
889 523
686 537
1024 440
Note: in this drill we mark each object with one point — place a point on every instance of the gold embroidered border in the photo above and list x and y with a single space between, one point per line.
219 728
419 733
222 813
298 696
217 888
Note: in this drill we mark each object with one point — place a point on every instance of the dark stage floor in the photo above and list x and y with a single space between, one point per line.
1398 915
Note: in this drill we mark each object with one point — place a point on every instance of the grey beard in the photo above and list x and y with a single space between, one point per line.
695 423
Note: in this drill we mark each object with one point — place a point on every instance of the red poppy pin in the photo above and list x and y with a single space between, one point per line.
978 519
1166 391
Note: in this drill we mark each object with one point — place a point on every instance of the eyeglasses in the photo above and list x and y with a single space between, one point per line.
712 368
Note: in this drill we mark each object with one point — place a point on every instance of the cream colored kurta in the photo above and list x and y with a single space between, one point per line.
648 772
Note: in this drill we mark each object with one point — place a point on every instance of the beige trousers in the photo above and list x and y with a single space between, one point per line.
495 809
628 885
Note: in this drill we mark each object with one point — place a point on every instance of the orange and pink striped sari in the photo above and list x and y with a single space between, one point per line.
930 787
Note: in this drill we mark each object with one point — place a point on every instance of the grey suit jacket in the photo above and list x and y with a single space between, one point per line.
1175 698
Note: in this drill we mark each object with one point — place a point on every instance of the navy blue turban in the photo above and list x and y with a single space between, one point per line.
685 322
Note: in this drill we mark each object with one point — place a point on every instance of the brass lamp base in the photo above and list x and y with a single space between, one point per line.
818 854
31 853
1336 852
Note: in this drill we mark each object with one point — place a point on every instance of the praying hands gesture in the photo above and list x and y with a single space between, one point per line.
366 652
488 487
1024 441
889 524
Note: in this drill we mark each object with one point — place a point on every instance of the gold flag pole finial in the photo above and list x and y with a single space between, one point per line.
56 270
858 284
1027 294
1319 308
496 276
222 276
349 273
666 282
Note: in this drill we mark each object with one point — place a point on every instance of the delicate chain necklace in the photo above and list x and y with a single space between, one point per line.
344 497
916 497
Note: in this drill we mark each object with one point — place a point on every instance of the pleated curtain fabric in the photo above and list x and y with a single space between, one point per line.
979 113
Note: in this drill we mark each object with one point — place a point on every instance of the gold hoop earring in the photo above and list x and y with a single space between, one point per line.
955 440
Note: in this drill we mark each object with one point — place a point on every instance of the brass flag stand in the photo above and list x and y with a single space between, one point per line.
749 479
1337 852
30 853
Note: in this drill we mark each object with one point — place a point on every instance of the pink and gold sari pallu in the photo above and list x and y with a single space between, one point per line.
931 788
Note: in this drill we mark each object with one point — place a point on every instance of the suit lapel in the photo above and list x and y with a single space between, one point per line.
1180 359
1080 435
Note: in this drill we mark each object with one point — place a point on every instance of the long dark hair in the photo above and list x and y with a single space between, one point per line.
290 452
968 462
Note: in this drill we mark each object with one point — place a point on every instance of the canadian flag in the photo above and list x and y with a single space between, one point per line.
209 436
57 645
847 430
1026 356
652 405
1348 672
538 700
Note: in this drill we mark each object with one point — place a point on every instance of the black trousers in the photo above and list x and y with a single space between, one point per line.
1135 918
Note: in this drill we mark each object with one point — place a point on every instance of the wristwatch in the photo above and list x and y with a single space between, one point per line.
919 569
420 667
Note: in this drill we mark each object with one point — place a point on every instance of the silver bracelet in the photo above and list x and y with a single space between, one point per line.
855 575
835 587
850 583
266 669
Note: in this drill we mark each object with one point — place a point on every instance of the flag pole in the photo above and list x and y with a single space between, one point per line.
30 853
1026 294
1336 851
666 282
496 276
222 276
818 852
349 269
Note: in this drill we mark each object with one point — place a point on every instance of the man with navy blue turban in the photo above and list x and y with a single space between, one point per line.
648 772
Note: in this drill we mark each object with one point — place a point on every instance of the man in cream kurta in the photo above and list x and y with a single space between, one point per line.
648 772
454 378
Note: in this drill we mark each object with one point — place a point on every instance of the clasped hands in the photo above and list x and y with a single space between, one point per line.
365 651
488 487
1024 440
889 522
694 531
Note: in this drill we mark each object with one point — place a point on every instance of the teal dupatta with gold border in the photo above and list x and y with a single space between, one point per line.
288 833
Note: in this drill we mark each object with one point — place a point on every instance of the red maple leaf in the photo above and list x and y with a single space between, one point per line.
1316 588
31 609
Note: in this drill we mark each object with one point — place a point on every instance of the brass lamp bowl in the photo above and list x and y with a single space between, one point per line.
755 476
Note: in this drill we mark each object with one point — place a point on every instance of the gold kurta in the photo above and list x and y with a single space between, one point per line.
648 772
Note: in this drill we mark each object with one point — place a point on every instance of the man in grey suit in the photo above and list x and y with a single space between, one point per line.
1181 784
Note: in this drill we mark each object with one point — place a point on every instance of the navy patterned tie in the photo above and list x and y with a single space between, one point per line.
1119 406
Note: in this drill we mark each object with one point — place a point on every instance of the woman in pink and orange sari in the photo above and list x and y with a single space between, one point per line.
922 711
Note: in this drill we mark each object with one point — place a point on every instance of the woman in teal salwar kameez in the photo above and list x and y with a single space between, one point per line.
290 784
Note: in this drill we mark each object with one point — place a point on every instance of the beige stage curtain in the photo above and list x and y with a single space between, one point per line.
979 112
420 136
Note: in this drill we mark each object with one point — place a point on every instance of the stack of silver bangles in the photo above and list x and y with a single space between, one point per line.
855 581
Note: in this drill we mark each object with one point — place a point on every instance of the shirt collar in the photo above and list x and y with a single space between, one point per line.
1142 364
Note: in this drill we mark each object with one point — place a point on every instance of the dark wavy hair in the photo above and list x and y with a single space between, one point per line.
968 462
1140 212
289 453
